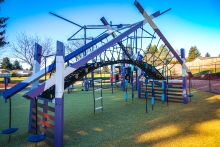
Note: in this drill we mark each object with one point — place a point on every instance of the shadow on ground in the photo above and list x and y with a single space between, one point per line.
194 124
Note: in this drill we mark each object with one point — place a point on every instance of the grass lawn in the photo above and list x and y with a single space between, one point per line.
194 124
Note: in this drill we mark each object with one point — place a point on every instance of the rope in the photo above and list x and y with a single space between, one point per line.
148 48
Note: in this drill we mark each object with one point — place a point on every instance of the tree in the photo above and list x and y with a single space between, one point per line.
74 45
152 49
16 65
150 52
6 64
207 54
163 52
219 55
3 25
193 54
105 69
23 48
31 68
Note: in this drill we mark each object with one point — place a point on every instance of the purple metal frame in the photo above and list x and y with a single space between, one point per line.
59 97
104 21
36 68
185 95
156 29
41 88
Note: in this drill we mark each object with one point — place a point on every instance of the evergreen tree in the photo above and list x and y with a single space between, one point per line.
105 69
16 65
152 49
193 54
31 68
163 52
207 54
3 25
6 64
150 52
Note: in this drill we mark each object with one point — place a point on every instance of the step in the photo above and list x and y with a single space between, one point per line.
99 98
97 108
98 89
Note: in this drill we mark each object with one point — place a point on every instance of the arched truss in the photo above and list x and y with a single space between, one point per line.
84 70
129 44
136 44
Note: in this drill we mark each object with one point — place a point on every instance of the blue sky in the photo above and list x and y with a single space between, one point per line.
189 23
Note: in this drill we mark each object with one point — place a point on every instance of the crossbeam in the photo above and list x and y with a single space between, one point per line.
12 91
50 82
20 86
157 30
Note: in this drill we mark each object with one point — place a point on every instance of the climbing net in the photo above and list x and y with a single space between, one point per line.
141 45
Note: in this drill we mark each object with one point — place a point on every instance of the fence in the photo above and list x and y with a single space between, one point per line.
210 85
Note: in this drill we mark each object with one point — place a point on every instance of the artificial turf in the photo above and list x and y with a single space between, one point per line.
194 124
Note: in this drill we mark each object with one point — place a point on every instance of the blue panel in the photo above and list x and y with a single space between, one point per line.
163 85
133 57
126 96
146 95
140 57
146 65
162 72
153 68
162 97
126 82
10 92
152 100
132 68
146 81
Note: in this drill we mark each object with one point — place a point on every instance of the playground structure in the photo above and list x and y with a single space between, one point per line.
46 99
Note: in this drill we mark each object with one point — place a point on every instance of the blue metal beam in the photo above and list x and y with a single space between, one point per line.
104 21
157 30
50 82
12 91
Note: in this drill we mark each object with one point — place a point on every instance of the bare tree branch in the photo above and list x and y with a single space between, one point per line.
23 47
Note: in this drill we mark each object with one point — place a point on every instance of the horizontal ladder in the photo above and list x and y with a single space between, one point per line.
97 108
